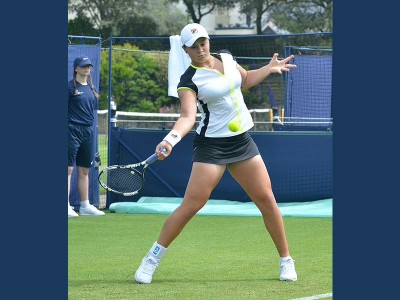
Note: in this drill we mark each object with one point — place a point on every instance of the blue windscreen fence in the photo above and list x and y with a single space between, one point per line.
299 164
93 52
308 98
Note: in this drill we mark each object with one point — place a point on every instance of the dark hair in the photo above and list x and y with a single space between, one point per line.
90 82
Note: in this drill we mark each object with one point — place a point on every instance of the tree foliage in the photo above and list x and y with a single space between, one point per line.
138 81
304 16
160 17
197 9
127 18
137 25
256 9
169 19
105 13
82 26
295 16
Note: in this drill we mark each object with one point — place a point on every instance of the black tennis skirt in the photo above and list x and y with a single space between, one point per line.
222 151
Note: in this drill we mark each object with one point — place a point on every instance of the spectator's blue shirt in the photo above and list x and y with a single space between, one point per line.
82 106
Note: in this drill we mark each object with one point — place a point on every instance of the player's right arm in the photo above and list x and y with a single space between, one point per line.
185 121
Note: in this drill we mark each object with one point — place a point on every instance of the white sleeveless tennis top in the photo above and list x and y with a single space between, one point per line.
219 97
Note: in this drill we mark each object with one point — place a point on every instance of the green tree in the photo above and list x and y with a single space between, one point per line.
138 81
137 25
257 9
295 16
106 13
130 17
197 9
304 16
168 17
81 26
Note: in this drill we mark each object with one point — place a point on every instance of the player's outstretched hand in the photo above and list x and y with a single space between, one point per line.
279 66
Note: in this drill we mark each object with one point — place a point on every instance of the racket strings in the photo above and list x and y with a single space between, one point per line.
122 180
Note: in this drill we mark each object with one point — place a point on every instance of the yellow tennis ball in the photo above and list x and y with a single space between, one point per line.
234 125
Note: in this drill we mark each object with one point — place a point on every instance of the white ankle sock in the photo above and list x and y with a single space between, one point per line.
84 203
157 251
285 258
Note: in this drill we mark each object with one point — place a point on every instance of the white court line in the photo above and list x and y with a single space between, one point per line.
321 296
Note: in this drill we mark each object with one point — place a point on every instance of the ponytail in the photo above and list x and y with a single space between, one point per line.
91 86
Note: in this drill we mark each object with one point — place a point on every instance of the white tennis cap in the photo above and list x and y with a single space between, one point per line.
191 32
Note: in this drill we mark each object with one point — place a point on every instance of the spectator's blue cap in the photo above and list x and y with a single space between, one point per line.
82 61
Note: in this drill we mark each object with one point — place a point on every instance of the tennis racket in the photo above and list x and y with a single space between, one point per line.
126 180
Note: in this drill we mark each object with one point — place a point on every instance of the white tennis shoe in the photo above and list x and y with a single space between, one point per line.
71 212
90 210
288 271
145 272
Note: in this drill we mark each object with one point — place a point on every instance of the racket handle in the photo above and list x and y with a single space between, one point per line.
154 157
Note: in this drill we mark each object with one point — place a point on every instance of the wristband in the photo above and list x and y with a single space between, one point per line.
173 137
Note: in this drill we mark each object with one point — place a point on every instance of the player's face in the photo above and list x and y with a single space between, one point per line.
200 51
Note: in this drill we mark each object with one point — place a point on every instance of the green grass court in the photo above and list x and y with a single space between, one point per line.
215 257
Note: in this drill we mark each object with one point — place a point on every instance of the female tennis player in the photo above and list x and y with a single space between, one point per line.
212 84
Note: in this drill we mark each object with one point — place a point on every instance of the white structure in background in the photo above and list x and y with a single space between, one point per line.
232 22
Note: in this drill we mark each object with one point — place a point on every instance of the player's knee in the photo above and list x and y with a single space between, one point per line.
191 209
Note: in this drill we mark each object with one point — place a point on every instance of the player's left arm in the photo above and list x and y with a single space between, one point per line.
253 77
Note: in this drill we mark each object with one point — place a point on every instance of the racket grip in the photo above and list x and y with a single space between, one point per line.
154 157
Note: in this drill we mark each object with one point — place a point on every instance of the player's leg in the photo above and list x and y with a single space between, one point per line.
253 176
202 181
